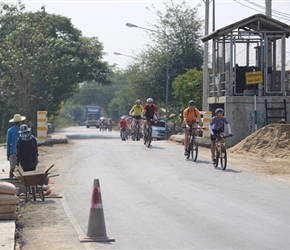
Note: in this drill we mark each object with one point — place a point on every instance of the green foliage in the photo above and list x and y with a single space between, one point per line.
176 47
189 87
176 44
43 59
178 37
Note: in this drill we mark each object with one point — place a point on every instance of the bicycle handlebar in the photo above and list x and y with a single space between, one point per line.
225 136
194 128
145 118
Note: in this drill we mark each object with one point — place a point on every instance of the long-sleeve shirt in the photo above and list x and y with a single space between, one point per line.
216 124
11 139
27 153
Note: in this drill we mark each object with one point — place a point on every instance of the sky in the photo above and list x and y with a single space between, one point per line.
106 20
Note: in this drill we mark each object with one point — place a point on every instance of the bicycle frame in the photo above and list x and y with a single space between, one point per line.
148 133
221 152
192 146
123 133
136 130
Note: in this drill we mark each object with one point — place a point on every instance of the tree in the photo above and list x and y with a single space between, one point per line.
189 87
43 59
178 33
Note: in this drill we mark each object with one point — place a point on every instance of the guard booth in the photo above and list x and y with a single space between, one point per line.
249 77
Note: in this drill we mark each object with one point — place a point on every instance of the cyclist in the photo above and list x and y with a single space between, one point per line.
123 124
190 116
136 112
150 111
216 128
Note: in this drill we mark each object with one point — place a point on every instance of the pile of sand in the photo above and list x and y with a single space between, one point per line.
272 140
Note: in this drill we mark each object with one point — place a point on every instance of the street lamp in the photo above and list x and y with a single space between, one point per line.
131 25
120 54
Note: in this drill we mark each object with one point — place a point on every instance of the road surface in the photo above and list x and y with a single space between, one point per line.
154 198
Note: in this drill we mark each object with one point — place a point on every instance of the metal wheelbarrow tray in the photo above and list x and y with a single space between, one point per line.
33 182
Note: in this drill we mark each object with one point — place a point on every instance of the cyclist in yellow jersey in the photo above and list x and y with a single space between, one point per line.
136 112
190 116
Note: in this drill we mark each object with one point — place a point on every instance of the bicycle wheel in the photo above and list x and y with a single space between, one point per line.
223 157
137 136
123 135
145 136
217 155
194 149
149 136
189 147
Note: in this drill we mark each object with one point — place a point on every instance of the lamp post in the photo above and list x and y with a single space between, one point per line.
131 25
120 54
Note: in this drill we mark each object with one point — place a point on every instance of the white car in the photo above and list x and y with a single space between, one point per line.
158 130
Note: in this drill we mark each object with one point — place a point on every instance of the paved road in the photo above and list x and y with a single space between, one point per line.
155 199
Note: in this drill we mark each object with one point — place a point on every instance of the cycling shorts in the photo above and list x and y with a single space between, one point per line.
215 133
138 117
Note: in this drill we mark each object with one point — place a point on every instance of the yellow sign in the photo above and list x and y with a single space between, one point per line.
254 77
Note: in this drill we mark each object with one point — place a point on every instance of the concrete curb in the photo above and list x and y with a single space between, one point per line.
56 139
7 234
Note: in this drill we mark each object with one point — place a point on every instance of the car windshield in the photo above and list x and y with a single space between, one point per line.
159 124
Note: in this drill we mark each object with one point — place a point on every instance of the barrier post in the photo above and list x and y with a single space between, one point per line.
206 121
41 127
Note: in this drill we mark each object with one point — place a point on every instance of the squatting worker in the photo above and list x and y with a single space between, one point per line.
11 141
190 116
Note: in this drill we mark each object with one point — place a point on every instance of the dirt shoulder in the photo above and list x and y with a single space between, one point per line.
45 225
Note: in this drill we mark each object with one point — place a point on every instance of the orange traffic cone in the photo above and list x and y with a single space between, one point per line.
97 228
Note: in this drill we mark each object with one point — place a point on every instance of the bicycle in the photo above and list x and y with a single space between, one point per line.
123 134
221 151
136 136
148 133
192 147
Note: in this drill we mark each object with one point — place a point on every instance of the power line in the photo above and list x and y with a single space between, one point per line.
275 13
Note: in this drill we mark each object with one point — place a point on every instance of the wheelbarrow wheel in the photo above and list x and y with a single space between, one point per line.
27 194
33 191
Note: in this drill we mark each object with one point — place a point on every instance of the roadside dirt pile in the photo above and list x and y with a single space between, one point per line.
272 140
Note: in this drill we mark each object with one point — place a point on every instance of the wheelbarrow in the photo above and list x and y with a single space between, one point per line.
33 182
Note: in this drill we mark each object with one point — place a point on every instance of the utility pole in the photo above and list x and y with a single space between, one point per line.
205 89
268 7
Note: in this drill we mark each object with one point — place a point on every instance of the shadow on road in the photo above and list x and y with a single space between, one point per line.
86 137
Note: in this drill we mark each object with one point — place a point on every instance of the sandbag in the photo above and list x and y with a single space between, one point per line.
9 216
4 209
8 199
7 188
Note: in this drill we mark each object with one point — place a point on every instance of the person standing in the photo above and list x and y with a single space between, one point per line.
190 116
11 141
27 150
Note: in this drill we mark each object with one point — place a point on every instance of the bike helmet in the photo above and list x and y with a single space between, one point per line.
138 101
150 100
191 102
219 110
123 117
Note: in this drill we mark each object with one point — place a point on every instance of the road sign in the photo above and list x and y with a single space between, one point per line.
254 77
